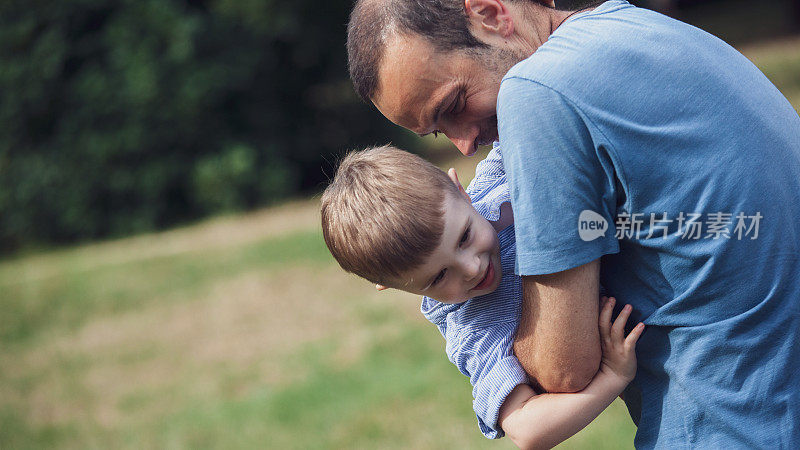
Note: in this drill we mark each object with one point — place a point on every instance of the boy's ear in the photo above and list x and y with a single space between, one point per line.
380 287
454 177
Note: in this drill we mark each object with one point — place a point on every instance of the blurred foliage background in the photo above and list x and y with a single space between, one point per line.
123 116
120 117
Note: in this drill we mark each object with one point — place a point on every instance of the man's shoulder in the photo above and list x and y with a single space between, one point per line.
588 52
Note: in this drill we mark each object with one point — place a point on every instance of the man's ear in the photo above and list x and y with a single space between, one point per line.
380 287
454 178
489 16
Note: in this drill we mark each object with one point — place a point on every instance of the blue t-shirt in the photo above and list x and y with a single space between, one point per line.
638 139
480 331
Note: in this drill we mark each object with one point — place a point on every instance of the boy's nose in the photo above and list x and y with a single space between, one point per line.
471 267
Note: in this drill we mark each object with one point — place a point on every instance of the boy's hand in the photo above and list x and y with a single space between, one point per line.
619 352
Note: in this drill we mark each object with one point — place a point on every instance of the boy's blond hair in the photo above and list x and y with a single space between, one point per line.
382 214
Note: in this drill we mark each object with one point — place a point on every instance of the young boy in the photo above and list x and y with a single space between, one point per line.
398 221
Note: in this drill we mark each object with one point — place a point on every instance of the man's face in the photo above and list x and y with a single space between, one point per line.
453 93
466 263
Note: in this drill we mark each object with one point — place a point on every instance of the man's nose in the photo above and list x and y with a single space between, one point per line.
465 146
463 137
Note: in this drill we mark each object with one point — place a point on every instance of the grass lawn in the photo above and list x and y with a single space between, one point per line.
240 332
187 340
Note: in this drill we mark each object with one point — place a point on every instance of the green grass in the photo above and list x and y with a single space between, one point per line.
398 391
70 296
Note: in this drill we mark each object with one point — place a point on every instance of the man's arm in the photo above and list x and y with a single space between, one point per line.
557 341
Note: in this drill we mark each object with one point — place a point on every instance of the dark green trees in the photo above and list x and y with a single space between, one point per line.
119 116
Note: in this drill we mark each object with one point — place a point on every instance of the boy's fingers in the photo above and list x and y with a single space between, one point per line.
605 316
633 336
618 329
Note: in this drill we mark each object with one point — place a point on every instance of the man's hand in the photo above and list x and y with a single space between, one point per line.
557 341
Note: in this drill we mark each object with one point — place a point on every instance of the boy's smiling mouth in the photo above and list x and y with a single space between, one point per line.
488 278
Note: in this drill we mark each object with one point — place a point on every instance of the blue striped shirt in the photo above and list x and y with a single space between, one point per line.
480 331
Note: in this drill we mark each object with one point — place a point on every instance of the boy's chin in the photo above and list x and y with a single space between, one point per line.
491 288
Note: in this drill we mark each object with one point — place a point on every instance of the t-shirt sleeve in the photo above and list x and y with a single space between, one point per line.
487 358
561 179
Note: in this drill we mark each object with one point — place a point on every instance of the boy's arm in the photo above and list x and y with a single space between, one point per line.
479 339
543 421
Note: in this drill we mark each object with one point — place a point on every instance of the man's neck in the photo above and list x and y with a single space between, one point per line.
538 24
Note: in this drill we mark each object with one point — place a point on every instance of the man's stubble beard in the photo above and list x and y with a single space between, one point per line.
498 61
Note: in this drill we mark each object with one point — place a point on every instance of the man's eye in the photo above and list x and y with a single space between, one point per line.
464 237
438 278
459 105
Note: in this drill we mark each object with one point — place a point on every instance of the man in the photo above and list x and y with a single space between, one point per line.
641 153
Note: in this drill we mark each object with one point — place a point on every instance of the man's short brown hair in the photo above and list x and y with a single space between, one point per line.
382 214
372 22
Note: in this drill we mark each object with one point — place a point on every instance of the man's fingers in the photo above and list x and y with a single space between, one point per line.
618 329
633 336
605 317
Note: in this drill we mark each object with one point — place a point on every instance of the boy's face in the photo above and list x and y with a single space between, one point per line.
466 263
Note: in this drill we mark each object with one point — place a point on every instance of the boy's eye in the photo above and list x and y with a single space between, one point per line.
438 278
464 237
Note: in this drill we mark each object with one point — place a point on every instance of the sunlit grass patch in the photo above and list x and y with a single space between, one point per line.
401 393
68 297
